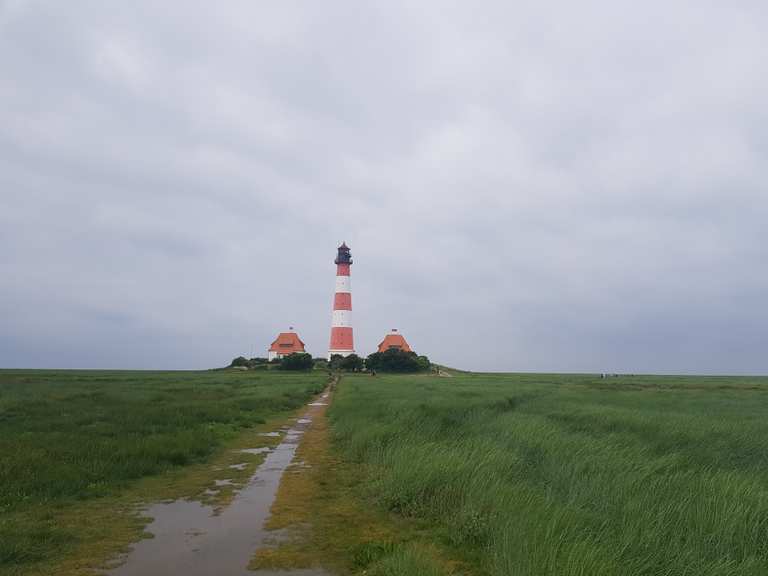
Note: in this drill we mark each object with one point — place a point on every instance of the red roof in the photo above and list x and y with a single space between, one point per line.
394 340
287 343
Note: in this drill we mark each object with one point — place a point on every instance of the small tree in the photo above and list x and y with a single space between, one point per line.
396 360
297 361
335 362
353 363
424 364
321 363
373 362
240 361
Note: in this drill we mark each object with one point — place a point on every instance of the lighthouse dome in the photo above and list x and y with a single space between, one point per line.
343 256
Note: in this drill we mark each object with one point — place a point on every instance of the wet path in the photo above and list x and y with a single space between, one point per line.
194 539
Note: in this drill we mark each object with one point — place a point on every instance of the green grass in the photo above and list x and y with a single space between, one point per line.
534 475
68 438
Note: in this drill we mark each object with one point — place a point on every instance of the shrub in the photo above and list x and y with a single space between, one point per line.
297 361
353 363
335 362
395 360
239 361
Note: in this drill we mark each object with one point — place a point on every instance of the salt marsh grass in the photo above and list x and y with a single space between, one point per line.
533 475
71 437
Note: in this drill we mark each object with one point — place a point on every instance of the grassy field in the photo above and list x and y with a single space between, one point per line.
565 475
504 475
72 442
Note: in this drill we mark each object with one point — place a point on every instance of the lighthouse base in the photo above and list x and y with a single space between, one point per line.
344 353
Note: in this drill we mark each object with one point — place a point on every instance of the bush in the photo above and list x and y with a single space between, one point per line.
297 361
239 361
352 363
321 364
395 360
335 362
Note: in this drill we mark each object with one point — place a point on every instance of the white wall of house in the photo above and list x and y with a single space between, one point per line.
272 354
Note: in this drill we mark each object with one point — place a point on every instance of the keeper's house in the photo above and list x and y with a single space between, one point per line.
394 340
286 343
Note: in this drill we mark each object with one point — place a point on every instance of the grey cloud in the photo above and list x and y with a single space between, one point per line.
549 186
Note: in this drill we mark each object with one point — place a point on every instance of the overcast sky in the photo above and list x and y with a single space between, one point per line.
560 186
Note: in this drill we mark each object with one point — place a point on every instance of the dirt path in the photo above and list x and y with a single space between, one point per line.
196 539
325 514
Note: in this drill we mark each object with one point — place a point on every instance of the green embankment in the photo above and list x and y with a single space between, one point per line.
535 475
74 444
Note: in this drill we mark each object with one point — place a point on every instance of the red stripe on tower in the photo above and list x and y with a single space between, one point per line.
342 301
341 324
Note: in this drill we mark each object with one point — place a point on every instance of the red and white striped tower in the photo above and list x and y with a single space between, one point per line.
341 324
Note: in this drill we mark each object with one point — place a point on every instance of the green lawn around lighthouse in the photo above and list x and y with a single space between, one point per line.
79 448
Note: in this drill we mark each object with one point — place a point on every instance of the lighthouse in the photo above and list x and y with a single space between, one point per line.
341 324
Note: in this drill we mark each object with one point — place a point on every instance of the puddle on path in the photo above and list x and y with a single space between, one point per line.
261 450
194 539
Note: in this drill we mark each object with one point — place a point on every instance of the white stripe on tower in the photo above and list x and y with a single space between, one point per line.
342 318
343 285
